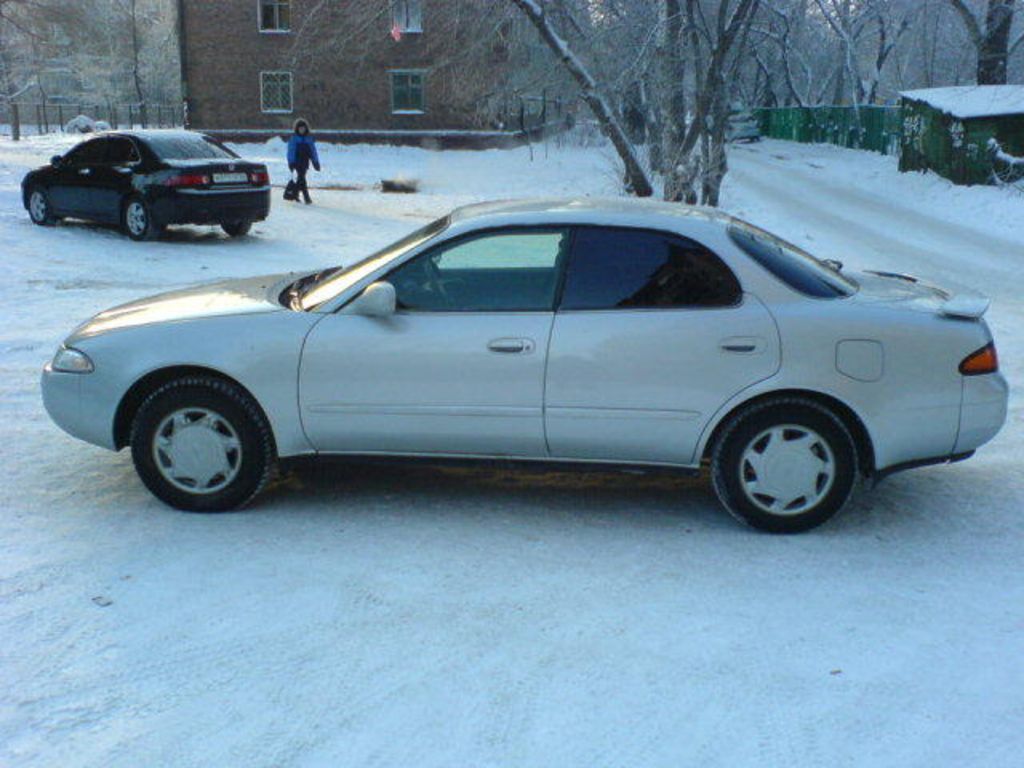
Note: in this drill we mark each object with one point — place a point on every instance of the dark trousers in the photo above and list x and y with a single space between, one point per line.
301 188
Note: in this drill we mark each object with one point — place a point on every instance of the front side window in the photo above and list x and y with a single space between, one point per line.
407 92
796 268
512 270
407 15
276 92
638 269
89 153
275 15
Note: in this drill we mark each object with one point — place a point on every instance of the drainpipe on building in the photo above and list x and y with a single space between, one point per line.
183 62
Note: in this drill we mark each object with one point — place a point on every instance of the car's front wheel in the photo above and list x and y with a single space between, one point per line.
202 445
236 228
137 220
39 209
784 465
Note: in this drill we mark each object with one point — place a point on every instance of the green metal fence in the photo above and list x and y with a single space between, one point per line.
873 128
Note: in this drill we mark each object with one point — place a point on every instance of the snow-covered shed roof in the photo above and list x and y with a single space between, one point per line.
967 101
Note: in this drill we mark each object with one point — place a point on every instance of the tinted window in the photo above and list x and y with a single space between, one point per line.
184 147
93 151
632 268
121 151
500 271
796 268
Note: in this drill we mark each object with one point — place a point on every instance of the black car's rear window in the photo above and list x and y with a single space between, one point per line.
796 268
188 148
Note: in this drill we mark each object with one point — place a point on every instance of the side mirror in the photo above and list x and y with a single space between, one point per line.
56 161
377 300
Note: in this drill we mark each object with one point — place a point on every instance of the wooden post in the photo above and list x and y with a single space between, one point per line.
15 123
39 118
60 116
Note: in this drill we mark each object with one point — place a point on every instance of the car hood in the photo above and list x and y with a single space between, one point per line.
254 295
909 292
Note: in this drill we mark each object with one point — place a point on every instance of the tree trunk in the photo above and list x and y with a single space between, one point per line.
995 43
637 180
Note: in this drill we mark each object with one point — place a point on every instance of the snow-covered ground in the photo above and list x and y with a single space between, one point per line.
365 616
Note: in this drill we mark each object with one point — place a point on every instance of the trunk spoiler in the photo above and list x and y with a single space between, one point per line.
968 306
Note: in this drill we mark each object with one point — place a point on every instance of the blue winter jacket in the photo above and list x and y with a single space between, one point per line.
302 152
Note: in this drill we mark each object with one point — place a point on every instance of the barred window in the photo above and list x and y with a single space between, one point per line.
407 15
407 92
276 92
275 15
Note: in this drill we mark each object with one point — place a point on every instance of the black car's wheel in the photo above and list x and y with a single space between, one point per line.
39 209
784 465
236 228
137 220
202 445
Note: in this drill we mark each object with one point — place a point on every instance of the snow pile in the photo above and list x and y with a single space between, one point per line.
967 101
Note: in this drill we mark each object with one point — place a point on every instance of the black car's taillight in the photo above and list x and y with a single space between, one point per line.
188 180
259 177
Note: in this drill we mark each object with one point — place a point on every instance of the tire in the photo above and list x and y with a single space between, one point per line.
225 451
784 465
137 220
236 228
39 209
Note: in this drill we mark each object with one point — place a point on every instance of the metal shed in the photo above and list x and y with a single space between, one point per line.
951 130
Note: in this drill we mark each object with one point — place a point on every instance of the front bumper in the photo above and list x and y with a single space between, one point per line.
76 407
982 411
213 206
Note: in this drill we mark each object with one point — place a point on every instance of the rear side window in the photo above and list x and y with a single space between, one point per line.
121 151
637 269
796 268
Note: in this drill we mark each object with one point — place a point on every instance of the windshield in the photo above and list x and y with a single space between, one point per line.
179 147
793 266
332 282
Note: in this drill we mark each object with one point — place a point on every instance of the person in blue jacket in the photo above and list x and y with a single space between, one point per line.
301 154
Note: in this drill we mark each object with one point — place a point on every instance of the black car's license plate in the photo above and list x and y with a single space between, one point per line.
230 178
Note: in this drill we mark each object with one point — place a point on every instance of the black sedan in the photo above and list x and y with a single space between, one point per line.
145 180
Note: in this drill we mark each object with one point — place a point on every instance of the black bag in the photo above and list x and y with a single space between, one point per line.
291 190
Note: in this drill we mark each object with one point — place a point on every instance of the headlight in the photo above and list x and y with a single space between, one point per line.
71 361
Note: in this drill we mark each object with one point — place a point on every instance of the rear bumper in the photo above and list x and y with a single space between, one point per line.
982 411
201 206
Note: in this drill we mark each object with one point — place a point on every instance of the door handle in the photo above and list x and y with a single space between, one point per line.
742 345
511 346
85 171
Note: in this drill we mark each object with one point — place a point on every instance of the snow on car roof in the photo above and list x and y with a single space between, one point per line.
967 101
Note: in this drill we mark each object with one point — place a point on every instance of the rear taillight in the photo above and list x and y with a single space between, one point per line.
188 180
259 177
985 360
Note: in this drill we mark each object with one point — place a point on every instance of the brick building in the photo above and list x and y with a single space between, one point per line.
366 65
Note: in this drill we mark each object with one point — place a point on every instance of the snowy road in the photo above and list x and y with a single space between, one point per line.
369 617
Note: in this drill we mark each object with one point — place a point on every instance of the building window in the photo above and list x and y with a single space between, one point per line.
407 16
275 15
276 92
407 92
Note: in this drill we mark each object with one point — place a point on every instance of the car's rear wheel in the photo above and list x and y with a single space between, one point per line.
39 209
236 228
137 220
202 445
784 465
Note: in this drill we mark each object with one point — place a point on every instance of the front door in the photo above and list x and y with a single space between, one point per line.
458 369
652 337
69 191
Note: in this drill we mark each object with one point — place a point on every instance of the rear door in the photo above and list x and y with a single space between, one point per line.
653 335
111 179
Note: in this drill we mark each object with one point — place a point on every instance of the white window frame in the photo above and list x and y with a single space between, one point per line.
259 18
291 93
423 90
400 15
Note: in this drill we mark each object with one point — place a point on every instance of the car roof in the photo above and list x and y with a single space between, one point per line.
590 210
149 133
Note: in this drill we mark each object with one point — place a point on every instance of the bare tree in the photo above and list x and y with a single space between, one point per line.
990 37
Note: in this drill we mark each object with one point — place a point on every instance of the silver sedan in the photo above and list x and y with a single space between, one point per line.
607 333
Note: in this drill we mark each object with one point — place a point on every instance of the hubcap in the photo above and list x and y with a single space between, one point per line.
37 206
197 450
136 216
787 469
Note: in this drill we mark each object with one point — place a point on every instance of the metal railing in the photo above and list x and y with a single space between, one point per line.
19 119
